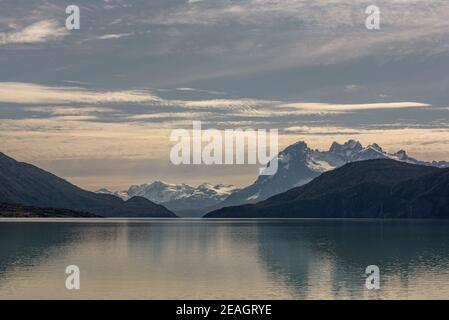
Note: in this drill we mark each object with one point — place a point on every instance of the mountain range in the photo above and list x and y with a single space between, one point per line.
26 185
180 198
298 164
381 188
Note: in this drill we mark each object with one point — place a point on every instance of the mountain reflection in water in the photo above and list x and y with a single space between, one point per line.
223 259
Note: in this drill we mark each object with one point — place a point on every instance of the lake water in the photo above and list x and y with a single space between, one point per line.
223 259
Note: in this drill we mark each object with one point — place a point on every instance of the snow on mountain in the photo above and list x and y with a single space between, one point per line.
161 192
178 196
298 165
121 194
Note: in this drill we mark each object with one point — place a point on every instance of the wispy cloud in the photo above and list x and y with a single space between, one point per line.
324 107
228 104
69 111
27 93
200 91
114 36
266 34
37 32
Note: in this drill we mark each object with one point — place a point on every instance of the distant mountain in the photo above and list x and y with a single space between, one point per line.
178 197
8 210
139 207
365 189
298 165
22 183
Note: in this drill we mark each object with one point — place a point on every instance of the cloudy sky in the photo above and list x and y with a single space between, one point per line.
97 105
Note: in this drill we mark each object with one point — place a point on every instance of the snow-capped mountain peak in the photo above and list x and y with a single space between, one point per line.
351 145
375 146
401 155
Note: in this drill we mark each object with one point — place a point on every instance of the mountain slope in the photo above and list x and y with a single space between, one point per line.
298 165
366 189
25 184
140 207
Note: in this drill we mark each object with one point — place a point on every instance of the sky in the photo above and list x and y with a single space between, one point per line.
97 105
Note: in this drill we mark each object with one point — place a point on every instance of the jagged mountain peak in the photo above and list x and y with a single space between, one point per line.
376 147
348 145
299 146
159 183
298 150
206 185
401 154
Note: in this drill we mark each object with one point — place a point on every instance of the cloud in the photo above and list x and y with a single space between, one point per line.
228 104
226 38
200 91
320 13
324 107
173 116
270 35
96 105
271 110
309 130
27 93
114 36
70 111
68 138
175 43
30 93
37 32
72 137
352 88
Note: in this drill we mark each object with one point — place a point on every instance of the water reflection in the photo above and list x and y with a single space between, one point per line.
327 259
196 259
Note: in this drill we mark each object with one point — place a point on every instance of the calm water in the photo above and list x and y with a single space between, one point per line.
238 259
